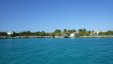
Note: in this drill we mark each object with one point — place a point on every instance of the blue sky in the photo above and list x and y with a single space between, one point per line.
48 15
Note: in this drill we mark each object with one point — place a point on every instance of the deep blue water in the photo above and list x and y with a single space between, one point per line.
56 51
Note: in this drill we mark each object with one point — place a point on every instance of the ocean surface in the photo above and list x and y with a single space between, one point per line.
56 51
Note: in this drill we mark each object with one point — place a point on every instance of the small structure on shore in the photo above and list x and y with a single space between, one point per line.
66 35
62 36
74 34
95 33
9 33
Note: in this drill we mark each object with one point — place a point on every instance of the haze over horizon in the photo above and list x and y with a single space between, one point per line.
48 15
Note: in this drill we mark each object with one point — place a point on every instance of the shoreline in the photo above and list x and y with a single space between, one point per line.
16 37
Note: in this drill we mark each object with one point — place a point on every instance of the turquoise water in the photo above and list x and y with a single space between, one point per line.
56 51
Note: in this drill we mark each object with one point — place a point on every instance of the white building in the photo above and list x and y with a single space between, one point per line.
94 33
97 32
72 35
9 33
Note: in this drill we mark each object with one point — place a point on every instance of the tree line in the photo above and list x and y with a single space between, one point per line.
57 32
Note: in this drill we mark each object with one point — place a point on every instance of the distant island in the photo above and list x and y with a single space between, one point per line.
81 33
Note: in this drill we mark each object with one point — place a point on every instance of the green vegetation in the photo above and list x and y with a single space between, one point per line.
110 32
57 32
3 34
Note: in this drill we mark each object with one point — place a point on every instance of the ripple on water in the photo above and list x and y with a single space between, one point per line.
56 51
